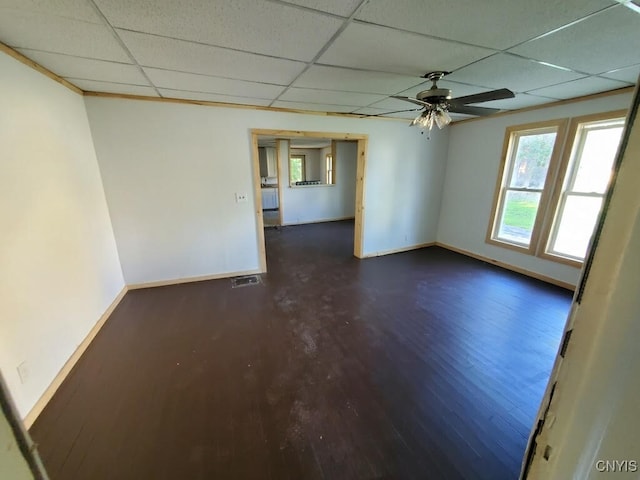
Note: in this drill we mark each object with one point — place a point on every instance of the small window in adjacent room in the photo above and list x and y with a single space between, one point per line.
591 152
529 153
296 169
329 169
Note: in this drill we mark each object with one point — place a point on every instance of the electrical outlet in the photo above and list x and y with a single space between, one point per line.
241 197
24 372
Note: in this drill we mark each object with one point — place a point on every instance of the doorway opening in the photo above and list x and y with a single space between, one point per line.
308 177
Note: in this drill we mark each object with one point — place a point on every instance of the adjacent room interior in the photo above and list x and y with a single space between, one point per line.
358 248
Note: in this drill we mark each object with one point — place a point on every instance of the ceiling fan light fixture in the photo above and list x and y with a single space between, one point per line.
442 118
417 120
437 102
434 115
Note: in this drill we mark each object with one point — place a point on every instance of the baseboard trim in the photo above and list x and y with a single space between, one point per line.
382 253
325 220
70 363
506 266
203 278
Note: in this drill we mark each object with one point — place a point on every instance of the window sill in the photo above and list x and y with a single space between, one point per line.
511 246
528 251
559 259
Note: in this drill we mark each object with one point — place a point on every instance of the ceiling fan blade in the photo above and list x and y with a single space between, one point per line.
468 110
412 100
483 97
395 111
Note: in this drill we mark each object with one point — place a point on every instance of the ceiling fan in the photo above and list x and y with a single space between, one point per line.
436 103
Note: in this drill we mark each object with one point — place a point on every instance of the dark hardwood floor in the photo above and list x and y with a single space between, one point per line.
425 365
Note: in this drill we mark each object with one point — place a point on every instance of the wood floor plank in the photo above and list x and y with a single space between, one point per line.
425 364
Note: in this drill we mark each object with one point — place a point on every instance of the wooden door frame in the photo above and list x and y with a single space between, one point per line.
279 177
362 139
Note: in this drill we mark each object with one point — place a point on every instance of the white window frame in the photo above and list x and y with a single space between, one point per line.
509 150
558 183
303 168
329 167
567 177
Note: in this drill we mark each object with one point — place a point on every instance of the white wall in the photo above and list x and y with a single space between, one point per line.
404 189
171 171
347 156
60 269
315 203
472 168
323 155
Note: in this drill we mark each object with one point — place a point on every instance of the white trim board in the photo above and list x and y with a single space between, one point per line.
203 278
70 363
506 266
322 220
382 253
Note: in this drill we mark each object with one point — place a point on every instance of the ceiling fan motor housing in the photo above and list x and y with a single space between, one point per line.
434 95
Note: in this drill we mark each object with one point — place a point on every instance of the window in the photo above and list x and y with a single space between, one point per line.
549 197
590 164
329 169
296 169
530 151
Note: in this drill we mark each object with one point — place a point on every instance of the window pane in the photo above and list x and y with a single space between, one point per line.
296 169
518 216
531 160
596 160
576 225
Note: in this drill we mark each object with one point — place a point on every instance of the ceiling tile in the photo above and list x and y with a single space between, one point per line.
337 7
332 97
315 107
386 112
456 117
87 68
514 73
387 50
74 9
20 29
629 74
495 24
584 86
404 115
389 104
167 53
334 78
604 42
370 111
203 83
109 87
521 100
256 26
212 97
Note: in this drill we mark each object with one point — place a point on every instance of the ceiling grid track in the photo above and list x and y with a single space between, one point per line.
335 56
107 24
326 46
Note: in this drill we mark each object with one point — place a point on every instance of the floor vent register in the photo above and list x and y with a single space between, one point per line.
246 281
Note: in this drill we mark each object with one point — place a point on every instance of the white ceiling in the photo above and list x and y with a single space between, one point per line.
330 55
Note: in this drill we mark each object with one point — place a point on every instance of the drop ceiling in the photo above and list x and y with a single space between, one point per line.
344 56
